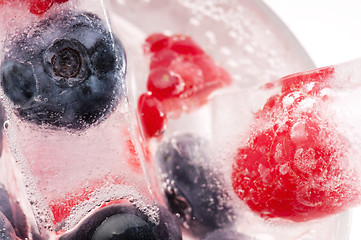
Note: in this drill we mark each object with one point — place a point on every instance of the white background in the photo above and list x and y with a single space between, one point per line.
330 31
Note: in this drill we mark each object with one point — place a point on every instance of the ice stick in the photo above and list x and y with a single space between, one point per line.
68 125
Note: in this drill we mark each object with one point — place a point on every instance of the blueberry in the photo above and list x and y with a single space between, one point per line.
226 234
66 71
6 230
11 209
5 206
193 191
123 221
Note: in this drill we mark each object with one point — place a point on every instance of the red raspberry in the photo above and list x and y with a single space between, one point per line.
294 163
40 6
164 84
37 7
156 42
181 78
151 115
189 74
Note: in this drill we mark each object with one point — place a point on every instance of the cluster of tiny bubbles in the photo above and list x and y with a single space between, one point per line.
42 215
216 11
241 27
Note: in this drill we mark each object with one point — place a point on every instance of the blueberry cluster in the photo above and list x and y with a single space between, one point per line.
67 71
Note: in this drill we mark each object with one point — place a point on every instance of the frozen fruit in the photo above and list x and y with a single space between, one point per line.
164 83
5 206
193 191
6 230
182 75
151 115
294 164
226 234
123 221
11 209
37 7
64 72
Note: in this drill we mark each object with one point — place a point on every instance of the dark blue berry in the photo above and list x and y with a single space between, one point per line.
226 234
193 191
67 71
11 209
5 206
125 222
6 230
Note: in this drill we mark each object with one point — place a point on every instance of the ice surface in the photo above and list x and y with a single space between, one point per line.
74 172
69 171
242 42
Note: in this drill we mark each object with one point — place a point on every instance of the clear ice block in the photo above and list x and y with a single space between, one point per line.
78 163
241 41
68 125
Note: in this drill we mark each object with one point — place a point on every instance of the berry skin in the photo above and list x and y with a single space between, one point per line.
293 165
10 209
151 115
164 83
123 221
6 230
5 207
226 234
181 77
65 72
193 191
37 7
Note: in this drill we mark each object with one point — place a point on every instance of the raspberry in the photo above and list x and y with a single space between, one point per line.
151 115
181 78
164 84
182 75
293 165
40 6
37 7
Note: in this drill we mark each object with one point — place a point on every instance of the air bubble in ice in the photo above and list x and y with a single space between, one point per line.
121 2
284 169
298 132
232 63
233 34
226 51
305 159
211 37
194 21
248 48
6 124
